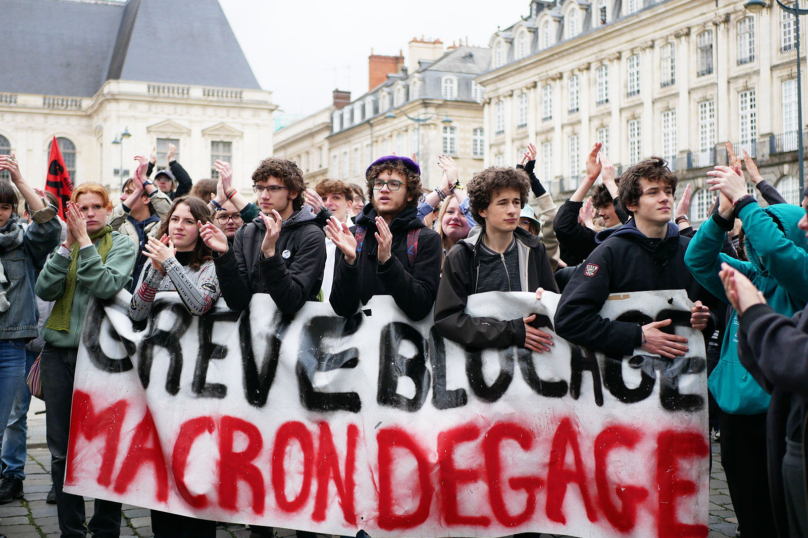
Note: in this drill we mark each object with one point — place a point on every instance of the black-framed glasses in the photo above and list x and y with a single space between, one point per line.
392 184
222 219
259 189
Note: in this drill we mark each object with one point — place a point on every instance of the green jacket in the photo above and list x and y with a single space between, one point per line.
778 266
102 280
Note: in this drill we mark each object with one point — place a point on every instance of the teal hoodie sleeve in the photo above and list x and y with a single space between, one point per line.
704 258
786 262
105 280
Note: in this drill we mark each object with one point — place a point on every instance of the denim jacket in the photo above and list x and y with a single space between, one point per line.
21 265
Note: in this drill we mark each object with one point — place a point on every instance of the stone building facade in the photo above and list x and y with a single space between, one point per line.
672 78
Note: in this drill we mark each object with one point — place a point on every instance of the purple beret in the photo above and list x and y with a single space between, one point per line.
409 163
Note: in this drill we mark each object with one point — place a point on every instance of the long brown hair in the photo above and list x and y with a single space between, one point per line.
199 210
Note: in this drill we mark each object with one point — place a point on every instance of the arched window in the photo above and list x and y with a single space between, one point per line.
546 35
414 89
573 23
369 112
449 88
385 102
476 92
5 149
524 44
789 188
68 150
702 204
500 54
399 98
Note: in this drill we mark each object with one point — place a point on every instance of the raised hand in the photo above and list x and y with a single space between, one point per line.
153 156
314 200
9 162
593 164
213 237
449 168
159 251
699 316
342 237
385 238
586 214
172 152
660 343
140 172
754 174
740 291
684 203
225 174
607 171
273 224
76 225
531 152
733 159
728 181
536 340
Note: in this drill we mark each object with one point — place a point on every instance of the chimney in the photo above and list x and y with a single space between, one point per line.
423 49
341 99
380 66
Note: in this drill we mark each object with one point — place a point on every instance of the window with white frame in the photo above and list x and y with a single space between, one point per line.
334 165
523 46
747 108
788 34
634 142
369 107
573 23
476 92
633 64
790 118
449 140
746 40
414 89
336 121
547 163
384 102
449 88
575 160
702 205
522 110
161 149
602 75
320 163
705 53
602 14
478 142
355 162
789 188
669 138
400 144
668 64
343 169
634 6
572 86
602 137
499 116
220 151
546 35
5 149
499 160
706 134
546 102
399 97
499 55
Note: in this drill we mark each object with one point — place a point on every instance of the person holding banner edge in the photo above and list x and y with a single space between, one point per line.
22 253
94 261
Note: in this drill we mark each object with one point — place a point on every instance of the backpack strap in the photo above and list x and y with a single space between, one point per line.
360 238
412 245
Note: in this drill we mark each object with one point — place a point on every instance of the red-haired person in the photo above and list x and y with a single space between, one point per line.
94 261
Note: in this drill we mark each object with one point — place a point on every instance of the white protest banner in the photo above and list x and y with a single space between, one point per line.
375 422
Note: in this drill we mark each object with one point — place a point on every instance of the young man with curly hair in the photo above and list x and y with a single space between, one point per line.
282 253
645 254
497 255
389 251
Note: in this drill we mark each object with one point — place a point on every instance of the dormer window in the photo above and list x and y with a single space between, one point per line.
573 23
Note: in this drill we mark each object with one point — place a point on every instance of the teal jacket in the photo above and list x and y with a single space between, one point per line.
95 278
778 266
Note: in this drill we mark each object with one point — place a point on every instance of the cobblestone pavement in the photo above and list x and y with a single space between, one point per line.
31 517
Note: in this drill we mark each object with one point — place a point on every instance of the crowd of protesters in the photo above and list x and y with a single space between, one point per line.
745 270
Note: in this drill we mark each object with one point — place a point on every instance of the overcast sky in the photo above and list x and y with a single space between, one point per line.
302 50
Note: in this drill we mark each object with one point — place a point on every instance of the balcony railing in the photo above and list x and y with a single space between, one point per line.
633 93
666 83
785 142
602 102
169 90
705 71
8 98
547 118
573 110
749 145
791 47
64 103
746 60
702 159
568 184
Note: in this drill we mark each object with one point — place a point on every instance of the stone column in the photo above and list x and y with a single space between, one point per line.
648 86
510 126
683 80
616 94
488 132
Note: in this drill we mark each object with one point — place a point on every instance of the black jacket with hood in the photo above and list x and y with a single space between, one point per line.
625 261
459 280
575 240
412 287
291 277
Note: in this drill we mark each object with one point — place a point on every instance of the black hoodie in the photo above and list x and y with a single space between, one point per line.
459 280
626 261
291 277
413 287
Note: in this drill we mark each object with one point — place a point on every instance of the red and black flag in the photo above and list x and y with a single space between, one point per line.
58 181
